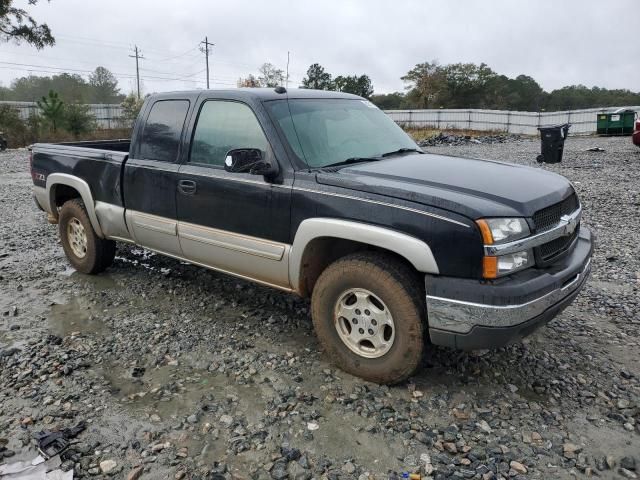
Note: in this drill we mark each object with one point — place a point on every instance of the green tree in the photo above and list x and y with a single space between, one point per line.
467 85
388 101
357 85
104 86
18 26
52 109
5 93
426 85
131 107
71 87
270 76
78 119
317 78
34 125
529 95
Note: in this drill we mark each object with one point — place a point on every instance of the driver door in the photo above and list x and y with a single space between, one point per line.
233 222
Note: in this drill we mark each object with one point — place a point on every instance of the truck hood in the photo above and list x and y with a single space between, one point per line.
474 188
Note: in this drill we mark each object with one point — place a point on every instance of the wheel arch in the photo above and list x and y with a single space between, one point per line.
320 241
61 187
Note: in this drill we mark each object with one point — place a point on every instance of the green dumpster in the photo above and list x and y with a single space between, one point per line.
619 122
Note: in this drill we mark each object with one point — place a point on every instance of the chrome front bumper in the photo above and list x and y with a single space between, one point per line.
458 309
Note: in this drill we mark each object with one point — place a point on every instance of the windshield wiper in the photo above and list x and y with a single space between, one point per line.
402 150
352 160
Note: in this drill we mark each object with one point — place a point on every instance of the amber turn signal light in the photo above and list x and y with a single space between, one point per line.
490 267
487 237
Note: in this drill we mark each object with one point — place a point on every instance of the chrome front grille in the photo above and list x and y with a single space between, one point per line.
546 219
550 250
549 217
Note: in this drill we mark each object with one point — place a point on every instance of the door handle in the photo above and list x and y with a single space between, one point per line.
187 187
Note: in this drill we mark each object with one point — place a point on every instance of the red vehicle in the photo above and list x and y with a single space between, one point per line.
636 133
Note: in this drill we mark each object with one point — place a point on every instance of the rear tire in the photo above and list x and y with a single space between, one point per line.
86 252
368 312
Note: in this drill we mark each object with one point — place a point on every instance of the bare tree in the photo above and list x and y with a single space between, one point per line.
249 82
270 76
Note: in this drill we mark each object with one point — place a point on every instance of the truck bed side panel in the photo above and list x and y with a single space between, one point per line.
101 169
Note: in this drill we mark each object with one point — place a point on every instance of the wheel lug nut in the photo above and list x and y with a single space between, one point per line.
357 312
370 332
374 323
367 312
361 331
355 321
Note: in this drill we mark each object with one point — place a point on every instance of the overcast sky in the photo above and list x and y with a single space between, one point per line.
592 42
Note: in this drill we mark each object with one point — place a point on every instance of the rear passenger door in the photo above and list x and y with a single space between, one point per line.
150 177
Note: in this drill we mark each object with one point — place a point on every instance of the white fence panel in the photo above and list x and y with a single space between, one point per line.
107 115
526 123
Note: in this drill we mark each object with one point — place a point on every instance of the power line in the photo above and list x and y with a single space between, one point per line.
50 69
176 56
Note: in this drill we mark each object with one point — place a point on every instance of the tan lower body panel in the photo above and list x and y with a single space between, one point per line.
152 231
112 222
249 257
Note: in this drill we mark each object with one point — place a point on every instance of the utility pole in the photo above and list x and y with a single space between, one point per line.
287 70
137 56
206 55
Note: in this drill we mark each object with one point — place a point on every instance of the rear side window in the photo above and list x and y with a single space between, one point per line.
224 126
161 135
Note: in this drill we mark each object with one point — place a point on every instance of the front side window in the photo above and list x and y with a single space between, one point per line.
327 131
162 130
224 126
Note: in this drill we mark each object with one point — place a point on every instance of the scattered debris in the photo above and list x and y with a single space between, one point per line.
443 138
36 469
54 443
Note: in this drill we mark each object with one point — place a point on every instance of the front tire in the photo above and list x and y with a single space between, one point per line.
86 252
368 312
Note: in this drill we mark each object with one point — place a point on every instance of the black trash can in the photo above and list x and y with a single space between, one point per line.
552 142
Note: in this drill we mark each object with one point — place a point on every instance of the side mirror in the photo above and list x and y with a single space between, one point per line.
248 160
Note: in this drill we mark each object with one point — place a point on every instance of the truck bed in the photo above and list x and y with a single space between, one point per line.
98 162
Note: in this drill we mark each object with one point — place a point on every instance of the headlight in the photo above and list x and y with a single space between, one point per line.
503 230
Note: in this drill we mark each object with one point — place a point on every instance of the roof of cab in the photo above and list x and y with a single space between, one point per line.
263 94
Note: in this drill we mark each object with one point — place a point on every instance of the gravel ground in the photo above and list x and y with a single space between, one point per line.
180 372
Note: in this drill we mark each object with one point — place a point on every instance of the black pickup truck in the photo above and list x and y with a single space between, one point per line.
321 194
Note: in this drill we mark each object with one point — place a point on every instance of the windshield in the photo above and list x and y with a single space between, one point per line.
329 131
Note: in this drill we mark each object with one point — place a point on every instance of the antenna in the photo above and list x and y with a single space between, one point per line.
287 69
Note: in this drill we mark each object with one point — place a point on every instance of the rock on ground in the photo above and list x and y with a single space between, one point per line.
190 373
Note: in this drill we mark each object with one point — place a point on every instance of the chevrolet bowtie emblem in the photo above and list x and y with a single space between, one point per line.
571 224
